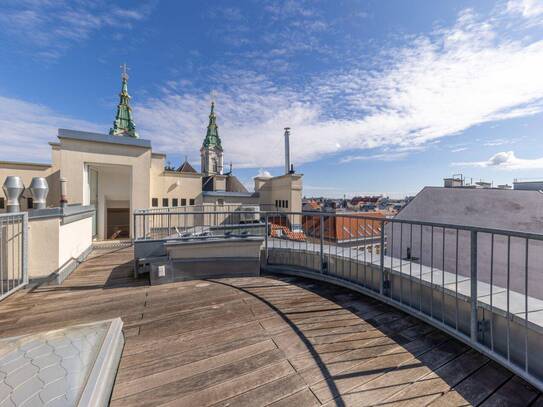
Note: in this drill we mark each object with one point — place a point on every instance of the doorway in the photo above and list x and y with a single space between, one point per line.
118 223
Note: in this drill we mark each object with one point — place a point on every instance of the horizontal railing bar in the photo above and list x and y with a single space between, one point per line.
467 228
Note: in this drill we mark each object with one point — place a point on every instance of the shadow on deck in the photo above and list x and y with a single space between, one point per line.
269 340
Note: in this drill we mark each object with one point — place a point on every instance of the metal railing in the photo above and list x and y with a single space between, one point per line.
200 221
13 252
431 270
482 286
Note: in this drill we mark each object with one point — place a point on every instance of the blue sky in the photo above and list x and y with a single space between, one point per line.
381 96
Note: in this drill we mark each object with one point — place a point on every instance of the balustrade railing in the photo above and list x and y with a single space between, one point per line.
13 252
483 286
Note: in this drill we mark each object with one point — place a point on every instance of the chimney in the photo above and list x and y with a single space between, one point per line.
39 190
287 150
13 189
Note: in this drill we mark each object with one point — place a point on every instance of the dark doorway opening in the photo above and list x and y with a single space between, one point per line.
118 223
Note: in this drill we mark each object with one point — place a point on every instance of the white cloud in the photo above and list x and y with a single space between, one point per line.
51 27
528 8
28 127
392 156
438 86
506 160
263 173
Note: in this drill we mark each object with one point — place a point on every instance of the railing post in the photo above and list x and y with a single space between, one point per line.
25 248
322 242
266 236
134 227
382 259
144 218
473 287
169 223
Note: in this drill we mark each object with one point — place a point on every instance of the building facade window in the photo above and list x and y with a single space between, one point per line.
191 201
165 202
2 203
29 203
183 202
175 202
286 204
154 202
276 203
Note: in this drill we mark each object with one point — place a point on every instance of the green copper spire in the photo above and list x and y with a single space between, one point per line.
212 136
123 124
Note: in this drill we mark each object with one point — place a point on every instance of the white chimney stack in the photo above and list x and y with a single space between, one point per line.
287 150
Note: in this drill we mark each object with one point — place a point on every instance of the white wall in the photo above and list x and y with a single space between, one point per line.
43 247
74 239
52 245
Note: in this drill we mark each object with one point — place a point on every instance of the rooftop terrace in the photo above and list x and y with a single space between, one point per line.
269 340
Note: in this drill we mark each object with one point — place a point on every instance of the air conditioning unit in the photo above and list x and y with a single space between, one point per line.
249 214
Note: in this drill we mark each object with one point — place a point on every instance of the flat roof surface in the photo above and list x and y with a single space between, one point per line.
231 193
507 209
102 138
262 341
23 163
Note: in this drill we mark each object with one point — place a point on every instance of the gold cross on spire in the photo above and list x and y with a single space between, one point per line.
124 71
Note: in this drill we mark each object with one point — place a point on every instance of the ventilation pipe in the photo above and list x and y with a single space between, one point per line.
287 150
39 190
13 189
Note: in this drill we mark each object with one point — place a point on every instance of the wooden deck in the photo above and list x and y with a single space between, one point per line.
263 341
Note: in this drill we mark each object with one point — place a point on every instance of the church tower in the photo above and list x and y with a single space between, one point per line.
123 124
211 152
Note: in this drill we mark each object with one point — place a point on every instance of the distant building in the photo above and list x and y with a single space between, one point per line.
119 173
515 210
310 205
458 181
355 229
536 185
453 182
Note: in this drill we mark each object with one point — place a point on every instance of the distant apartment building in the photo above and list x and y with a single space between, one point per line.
458 181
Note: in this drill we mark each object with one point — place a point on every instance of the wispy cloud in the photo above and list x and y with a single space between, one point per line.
393 156
437 86
498 142
479 70
527 8
506 160
49 28
28 127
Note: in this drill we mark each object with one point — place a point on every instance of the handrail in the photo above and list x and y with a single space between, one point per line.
356 215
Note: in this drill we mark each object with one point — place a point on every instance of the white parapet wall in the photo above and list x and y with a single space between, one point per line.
59 239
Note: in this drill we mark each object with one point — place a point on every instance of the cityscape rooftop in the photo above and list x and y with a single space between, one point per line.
211 246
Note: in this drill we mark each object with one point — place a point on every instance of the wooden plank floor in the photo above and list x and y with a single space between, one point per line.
263 341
